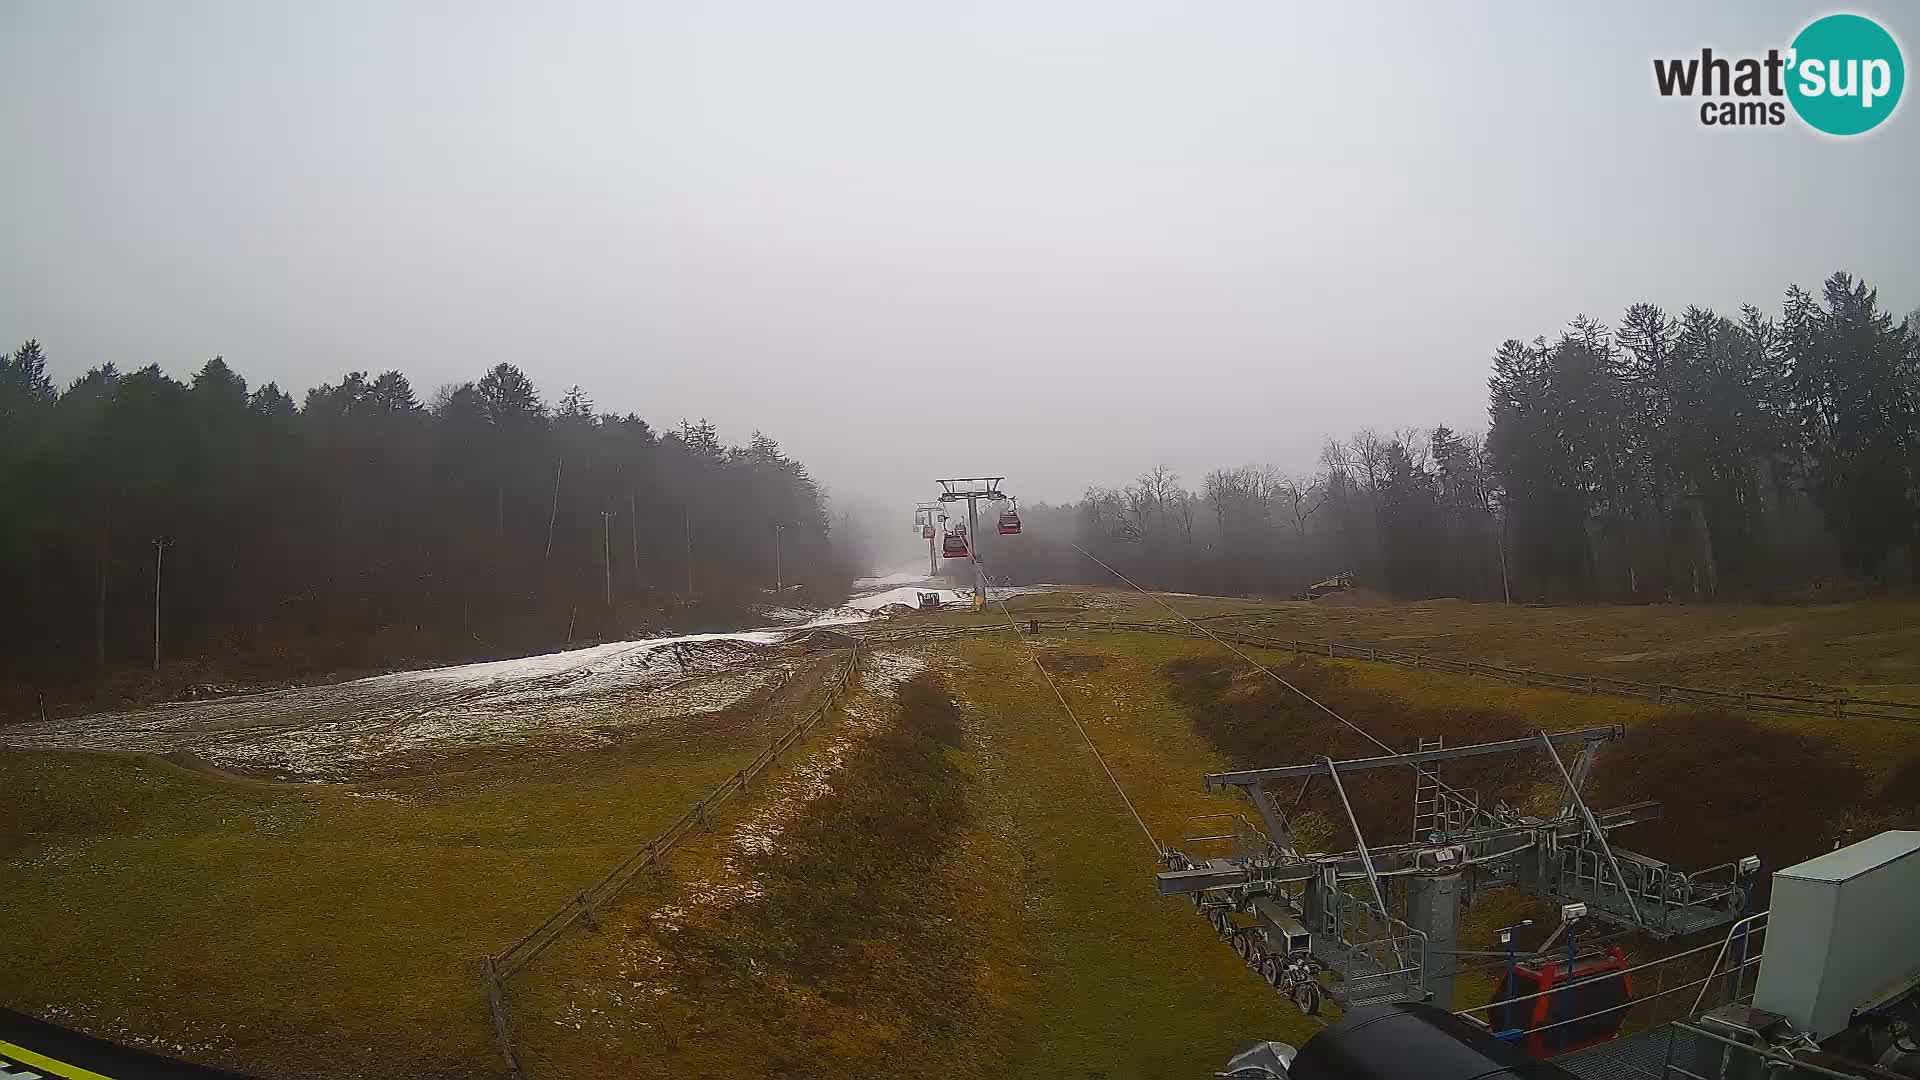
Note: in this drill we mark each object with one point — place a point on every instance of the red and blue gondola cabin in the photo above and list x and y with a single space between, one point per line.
1581 1004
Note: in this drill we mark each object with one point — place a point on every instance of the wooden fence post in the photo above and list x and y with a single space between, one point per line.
497 1008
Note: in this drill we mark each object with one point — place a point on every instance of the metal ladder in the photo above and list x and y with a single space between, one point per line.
1428 815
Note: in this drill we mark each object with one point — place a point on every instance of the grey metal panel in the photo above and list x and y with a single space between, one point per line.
1856 859
1842 931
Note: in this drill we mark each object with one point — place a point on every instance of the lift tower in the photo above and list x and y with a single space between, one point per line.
1385 918
925 512
973 490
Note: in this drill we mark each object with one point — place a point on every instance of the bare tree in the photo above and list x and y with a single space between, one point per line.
1300 498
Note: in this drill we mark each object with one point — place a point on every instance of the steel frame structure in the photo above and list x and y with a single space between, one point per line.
933 542
973 490
1379 915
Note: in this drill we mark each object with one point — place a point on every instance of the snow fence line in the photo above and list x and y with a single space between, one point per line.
497 968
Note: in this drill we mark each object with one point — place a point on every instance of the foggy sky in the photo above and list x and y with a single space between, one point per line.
1056 241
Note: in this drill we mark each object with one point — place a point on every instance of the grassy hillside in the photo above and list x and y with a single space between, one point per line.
940 882
315 930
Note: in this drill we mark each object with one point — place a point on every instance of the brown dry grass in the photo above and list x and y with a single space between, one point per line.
1866 646
844 946
1253 721
318 930
1072 663
1825 647
1729 785
846 934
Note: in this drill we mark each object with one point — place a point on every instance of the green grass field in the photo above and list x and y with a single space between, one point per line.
948 890
313 930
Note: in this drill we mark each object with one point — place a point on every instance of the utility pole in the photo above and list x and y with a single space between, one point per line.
160 546
553 511
973 551
606 551
778 585
100 612
929 509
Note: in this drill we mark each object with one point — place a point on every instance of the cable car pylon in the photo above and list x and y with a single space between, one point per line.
959 542
923 523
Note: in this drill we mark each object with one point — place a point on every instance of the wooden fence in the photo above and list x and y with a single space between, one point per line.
497 968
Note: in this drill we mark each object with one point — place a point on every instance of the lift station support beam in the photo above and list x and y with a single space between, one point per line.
1246 777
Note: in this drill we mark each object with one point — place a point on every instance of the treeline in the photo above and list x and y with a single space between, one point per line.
1668 457
364 526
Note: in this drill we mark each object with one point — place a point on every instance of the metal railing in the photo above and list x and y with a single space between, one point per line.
1745 932
1716 1057
1378 956
1647 889
1247 840
497 968
1725 980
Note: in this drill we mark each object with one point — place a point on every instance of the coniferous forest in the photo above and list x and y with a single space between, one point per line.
363 527
1667 457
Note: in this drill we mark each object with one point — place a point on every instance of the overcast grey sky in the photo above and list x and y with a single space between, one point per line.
1059 241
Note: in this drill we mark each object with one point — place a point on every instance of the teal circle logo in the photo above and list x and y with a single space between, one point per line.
1846 74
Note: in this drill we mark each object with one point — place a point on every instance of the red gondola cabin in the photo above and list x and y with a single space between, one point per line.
1596 990
954 546
1009 522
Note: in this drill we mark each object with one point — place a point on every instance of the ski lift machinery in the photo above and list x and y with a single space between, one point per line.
1837 997
1384 918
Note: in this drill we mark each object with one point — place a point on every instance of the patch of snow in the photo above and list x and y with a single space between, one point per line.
836 617
881 674
339 730
908 596
885 671
888 581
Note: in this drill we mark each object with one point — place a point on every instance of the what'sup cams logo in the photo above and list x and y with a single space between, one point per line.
1842 75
